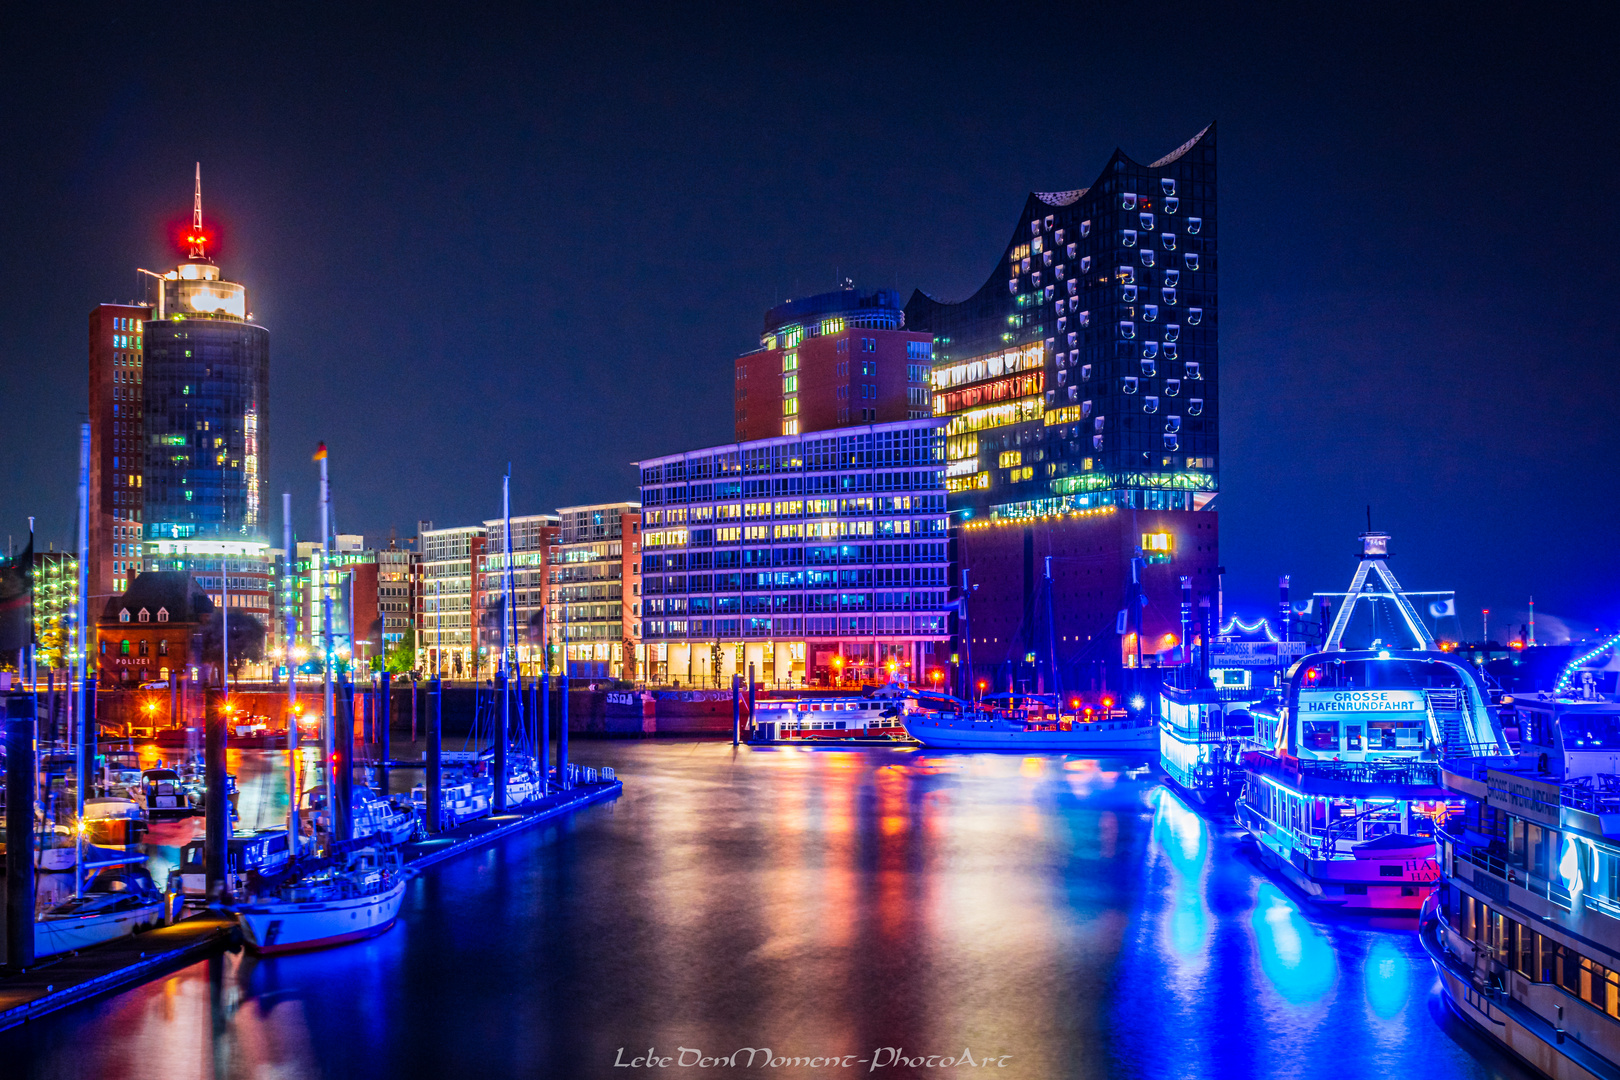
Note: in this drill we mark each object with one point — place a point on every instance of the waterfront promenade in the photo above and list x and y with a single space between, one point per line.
1072 918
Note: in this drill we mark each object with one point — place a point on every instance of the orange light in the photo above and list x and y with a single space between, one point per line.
1108 703
982 684
1075 704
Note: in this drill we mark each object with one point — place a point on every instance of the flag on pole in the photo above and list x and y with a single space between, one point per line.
320 452
16 600
1441 608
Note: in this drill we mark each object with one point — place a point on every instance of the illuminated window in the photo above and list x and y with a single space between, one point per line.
1010 458
790 361
790 384
1158 543
123 616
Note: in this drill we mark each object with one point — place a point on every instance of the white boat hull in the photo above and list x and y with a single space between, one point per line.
1106 737
59 935
279 927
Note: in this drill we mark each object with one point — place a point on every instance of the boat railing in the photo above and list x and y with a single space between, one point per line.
1408 772
1496 864
1599 794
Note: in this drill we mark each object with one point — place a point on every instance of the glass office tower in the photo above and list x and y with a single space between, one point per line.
207 397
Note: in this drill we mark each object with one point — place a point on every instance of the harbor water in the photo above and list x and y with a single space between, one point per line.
867 911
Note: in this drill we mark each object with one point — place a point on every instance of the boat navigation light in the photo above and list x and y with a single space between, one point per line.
1383 654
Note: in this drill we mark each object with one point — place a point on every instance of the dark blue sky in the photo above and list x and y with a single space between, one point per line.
478 237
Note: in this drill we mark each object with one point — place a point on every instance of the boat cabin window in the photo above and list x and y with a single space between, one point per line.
1590 731
1321 735
1352 737
1395 735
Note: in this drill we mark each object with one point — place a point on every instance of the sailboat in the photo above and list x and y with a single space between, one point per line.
356 889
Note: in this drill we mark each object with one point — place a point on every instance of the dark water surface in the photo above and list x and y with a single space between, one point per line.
1058 917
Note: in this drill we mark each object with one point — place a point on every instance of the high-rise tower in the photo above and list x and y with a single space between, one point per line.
207 397
117 440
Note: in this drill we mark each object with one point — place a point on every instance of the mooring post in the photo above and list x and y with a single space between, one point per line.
385 712
545 732
736 709
752 688
343 776
435 762
503 733
217 809
562 734
21 716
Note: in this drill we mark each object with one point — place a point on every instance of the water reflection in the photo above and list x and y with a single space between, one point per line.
1067 913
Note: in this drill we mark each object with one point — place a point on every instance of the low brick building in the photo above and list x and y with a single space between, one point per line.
150 631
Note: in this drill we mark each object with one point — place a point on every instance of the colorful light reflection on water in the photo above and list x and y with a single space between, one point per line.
1068 914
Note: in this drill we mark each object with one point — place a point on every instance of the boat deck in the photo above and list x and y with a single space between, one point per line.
59 981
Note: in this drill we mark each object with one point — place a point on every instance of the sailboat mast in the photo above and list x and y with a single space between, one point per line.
81 675
288 632
327 776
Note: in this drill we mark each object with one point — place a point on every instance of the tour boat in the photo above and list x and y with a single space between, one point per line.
874 717
1201 740
1028 723
356 899
1524 927
115 904
1342 793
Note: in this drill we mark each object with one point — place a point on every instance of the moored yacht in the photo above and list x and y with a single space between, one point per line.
356 896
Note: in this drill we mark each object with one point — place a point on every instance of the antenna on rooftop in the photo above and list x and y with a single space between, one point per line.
197 237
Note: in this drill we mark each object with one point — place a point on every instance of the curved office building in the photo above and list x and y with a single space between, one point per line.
1082 374
1078 393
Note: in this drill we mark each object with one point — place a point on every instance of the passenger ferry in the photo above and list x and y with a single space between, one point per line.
1030 723
1524 929
1201 742
1342 792
873 717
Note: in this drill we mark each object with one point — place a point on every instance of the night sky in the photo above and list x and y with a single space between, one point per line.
477 238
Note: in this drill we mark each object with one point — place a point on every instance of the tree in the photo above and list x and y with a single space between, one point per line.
247 638
402 656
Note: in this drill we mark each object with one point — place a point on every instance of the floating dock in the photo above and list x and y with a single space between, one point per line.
59 981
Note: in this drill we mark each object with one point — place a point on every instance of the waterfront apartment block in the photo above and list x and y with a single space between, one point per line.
833 359
594 581
533 538
1078 391
445 603
117 445
812 559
